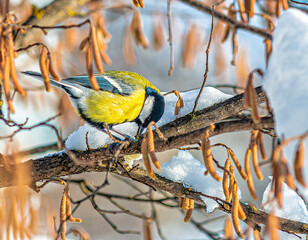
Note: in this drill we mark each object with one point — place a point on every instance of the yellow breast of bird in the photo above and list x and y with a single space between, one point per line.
110 108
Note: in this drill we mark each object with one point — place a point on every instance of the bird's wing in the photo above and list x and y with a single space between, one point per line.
106 83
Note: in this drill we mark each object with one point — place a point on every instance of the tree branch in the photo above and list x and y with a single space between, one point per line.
60 164
212 114
229 20
55 13
183 131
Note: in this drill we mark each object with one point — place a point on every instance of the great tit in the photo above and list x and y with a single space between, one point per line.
123 97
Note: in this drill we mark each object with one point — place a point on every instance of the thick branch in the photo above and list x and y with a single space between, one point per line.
287 225
60 164
177 136
212 114
229 20
220 128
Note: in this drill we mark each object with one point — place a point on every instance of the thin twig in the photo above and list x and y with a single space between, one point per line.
36 150
208 233
229 20
302 3
155 217
115 228
85 186
128 183
127 211
206 64
21 127
43 28
170 38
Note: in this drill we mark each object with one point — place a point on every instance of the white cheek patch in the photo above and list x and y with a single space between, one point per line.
147 108
114 83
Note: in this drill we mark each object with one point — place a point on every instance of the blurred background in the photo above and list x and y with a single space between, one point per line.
228 67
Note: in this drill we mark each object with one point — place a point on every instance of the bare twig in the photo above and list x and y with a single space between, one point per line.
21 127
208 233
231 21
155 217
55 13
115 228
302 3
170 38
207 63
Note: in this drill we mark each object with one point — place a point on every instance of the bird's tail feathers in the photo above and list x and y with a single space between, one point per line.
69 88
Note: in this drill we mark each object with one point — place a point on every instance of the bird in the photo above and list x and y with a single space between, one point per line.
123 97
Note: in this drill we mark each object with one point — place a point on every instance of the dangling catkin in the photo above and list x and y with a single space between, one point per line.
299 163
151 148
250 185
146 160
234 212
225 178
237 164
208 158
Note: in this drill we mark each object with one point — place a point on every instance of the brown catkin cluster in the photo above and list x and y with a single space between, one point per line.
230 188
250 97
208 157
148 149
252 152
66 213
136 28
138 3
46 67
237 212
95 47
299 163
8 54
281 171
188 205
192 46
179 104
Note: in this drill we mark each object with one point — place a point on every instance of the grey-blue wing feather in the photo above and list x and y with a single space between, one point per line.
106 83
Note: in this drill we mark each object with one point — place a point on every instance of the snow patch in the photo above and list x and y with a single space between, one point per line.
184 168
293 208
285 81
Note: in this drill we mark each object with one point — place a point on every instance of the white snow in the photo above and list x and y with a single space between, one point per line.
184 168
286 82
95 137
98 139
293 208
208 97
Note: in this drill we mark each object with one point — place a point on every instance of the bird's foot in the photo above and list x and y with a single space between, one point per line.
113 147
129 138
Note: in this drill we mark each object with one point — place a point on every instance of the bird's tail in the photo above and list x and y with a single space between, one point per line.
40 77
71 89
